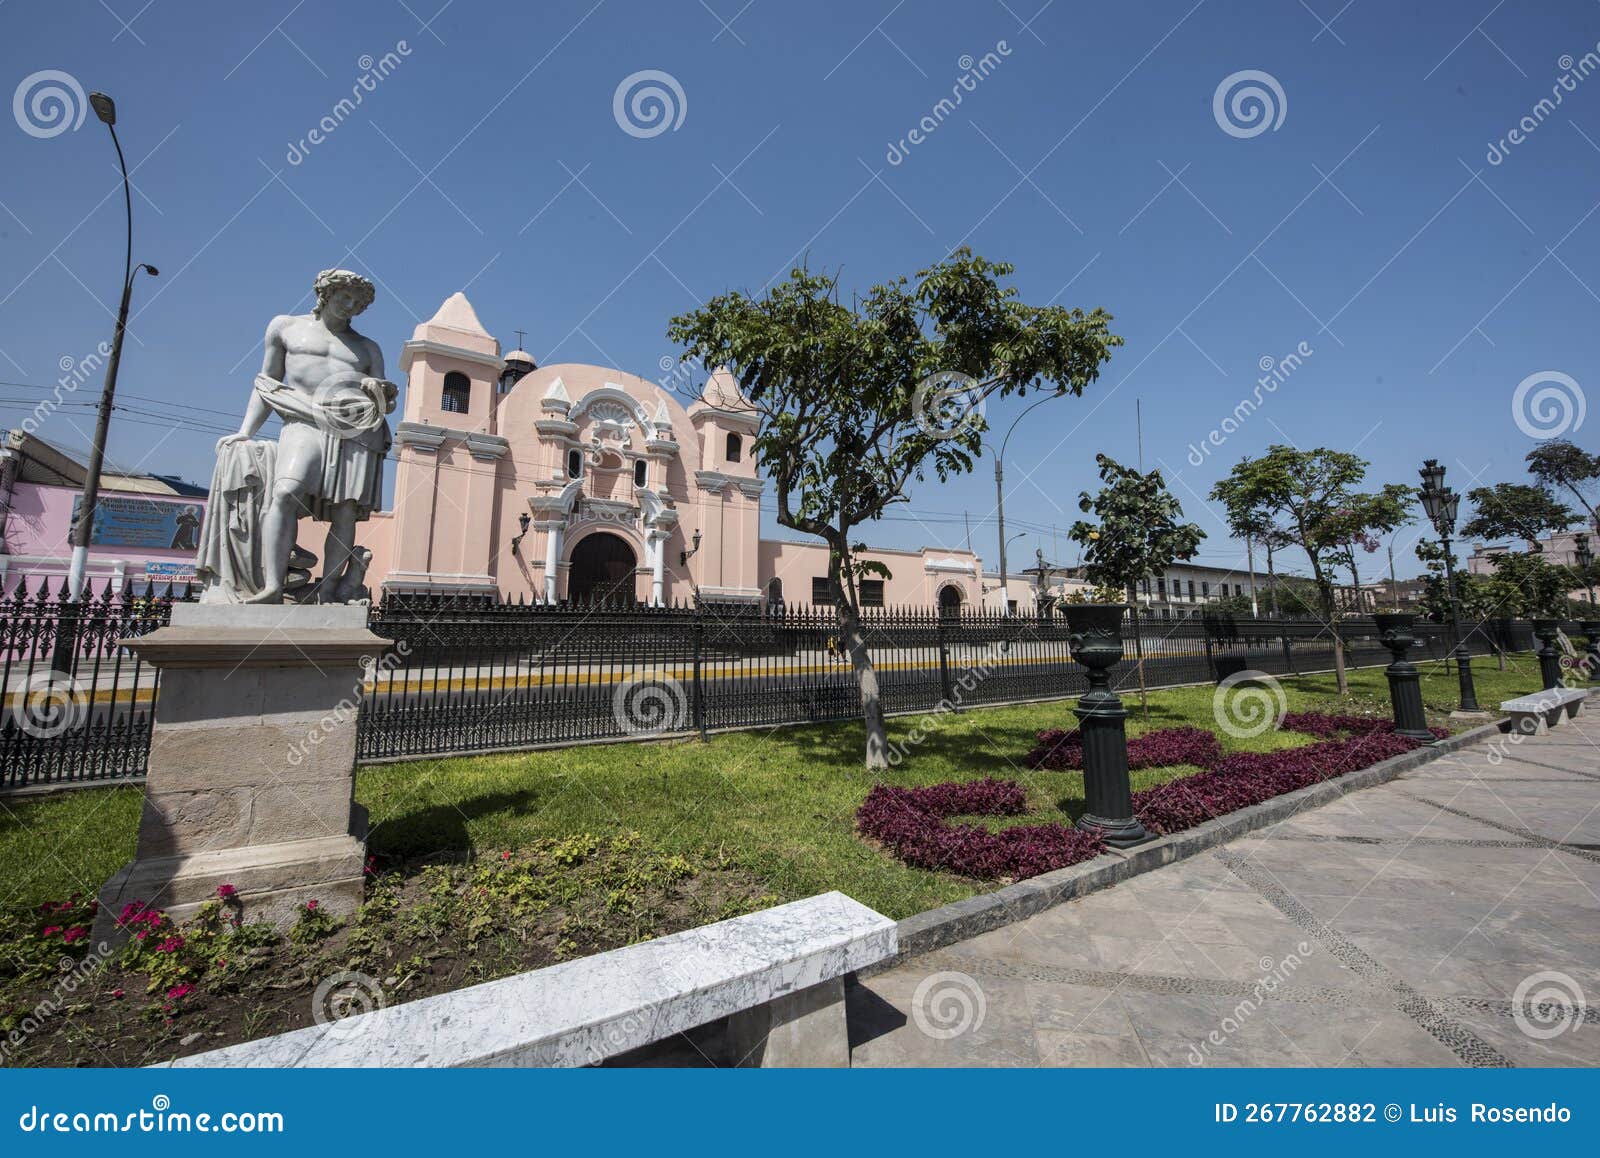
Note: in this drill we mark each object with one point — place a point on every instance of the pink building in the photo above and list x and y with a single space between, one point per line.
145 533
571 482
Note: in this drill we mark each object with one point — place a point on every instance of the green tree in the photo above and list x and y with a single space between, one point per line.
1516 511
1561 466
1312 495
1140 532
1529 585
856 400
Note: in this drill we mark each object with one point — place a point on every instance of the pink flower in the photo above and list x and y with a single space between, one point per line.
170 945
311 906
49 929
116 994
226 891
76 933
141 934
178 991
506 855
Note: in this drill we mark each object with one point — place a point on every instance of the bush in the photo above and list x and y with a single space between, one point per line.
1247 778
912 824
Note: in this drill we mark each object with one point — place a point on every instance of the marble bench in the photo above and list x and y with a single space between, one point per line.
777 976
1537 713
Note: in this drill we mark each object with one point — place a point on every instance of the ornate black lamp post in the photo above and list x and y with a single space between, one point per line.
1591 623
1405 691
1442 504
1095 636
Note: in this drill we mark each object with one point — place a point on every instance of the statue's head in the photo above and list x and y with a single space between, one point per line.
346 292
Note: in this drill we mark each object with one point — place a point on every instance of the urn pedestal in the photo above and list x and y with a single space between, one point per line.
1405 688
1547 631
1096 641
251 775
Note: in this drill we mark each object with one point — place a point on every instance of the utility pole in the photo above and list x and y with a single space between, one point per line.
104 108
1250 561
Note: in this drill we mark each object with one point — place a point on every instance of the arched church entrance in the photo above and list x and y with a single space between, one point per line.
601 571
950 601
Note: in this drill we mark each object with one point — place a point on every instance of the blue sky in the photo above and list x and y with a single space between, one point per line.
1368 224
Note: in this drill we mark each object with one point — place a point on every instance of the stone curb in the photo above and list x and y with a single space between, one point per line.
962 920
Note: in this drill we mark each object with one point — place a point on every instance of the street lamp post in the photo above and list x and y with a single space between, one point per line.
1590 625
1585 556
104 108
1442 504
1000 494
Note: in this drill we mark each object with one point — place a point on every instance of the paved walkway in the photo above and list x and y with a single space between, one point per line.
1396 927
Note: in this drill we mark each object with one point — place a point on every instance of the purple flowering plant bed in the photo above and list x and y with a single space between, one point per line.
915 823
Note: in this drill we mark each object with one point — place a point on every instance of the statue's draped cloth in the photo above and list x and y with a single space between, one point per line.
355 438
349 418
229 559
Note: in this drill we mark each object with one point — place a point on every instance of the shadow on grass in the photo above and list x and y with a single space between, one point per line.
439 831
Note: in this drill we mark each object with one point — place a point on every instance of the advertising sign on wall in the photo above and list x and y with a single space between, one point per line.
158 524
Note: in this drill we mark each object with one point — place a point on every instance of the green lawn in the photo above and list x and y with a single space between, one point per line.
779 803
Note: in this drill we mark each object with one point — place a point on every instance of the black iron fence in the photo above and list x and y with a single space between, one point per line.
473 675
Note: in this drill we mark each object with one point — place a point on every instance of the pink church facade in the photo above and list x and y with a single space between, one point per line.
571 482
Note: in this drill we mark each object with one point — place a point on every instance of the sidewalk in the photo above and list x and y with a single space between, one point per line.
1395 927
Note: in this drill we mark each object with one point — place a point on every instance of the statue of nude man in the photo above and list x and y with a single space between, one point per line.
326 382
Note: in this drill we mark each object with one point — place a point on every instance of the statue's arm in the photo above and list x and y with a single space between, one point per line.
272 366
375 370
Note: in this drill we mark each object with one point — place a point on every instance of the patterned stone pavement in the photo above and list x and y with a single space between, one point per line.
1449 917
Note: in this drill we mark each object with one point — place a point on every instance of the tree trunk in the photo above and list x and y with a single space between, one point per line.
855 646
847 610
1341 680
1272 583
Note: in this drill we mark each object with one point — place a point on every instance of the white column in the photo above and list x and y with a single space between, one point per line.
657 544
552 560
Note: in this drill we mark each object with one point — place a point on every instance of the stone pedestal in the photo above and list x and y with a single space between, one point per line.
251 778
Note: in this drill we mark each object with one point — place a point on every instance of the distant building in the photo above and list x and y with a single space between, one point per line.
1560 548
147 526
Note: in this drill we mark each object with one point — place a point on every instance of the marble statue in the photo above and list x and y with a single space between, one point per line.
325 381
